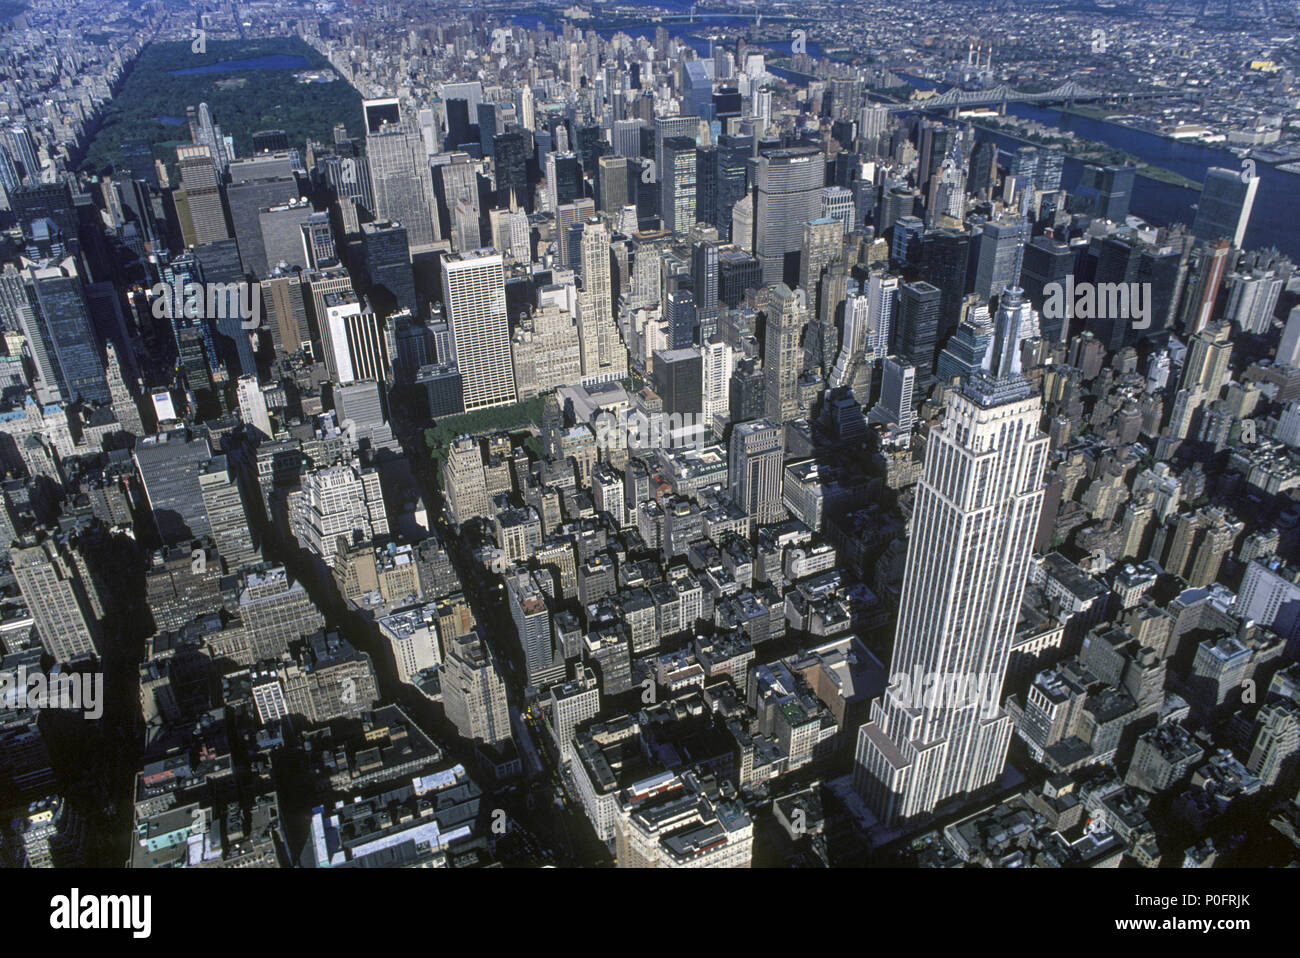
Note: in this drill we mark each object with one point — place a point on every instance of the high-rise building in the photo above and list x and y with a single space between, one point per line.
786 314
755 468
787 186
227 516
169 471
1208 354
1105 192
344 501
977 509
677 184
57 599
474 296
916 332
896 390
387 258
604 357
474 693
399 173
60 336
199 203
543 658
1223 211
563 179
611 186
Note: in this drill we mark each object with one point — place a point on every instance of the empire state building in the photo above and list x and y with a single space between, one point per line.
977 509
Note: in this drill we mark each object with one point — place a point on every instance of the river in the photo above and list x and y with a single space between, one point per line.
1273 219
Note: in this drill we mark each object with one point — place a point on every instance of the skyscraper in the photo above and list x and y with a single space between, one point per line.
604 357
786 315
677 184
57 325
977 509
199 204
787 186
474 296
399 173
1223 211
58 601
917 330
754 469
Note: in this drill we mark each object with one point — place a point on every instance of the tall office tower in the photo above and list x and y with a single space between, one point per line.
284 312
786 315
1275 749
1207 359
965 349
457 194
566 217
737 272
1051 163
706 184
474 296
999 254
343 501
387 258
916 333
945 255
823 244
457 112
475 693
882 292
936 140
318 239
1223 211
787 185
905 247
550 338
898 201
896 391
224 504
399 173
252 406
207 133
356 345
1046 262
543 658
1105 192
1252 298
680 312
563 179
604 357
120 395
56 323
169 471
1024 164
731 180
679 380
57 599
1206 279
611 189
754 469
18 143
837 204
627 137
705 274
977 509
719 363
677 184
742 225
199 206
257 184
510 166
465 481
1288 351
983 169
